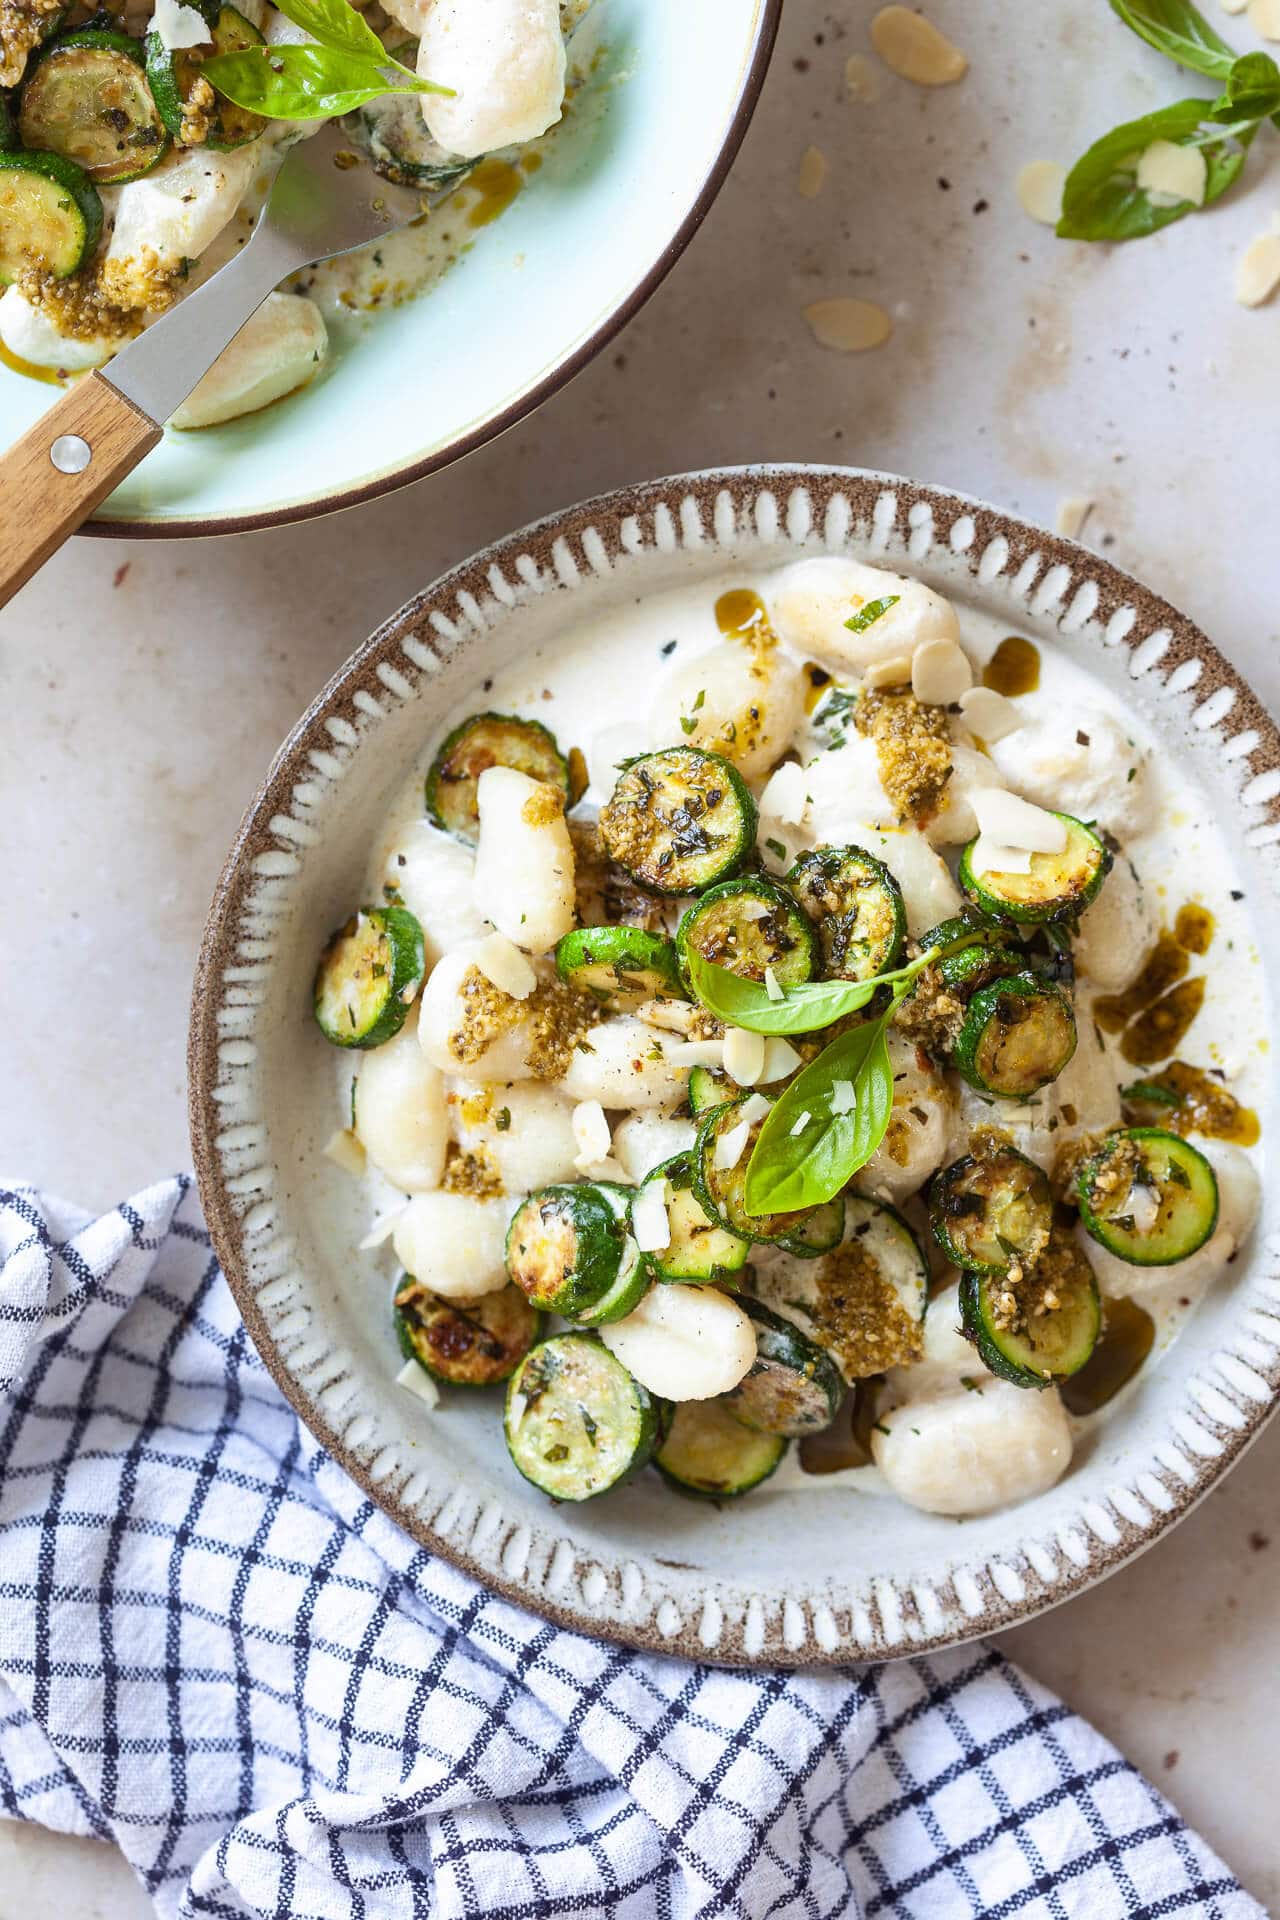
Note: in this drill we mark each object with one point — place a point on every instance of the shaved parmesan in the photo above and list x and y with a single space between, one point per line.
591 1134
505 967
754 1109
608 1169
1071 515
346 1150
940 673
843 1097
1014 822
780 1059
673 1016
988 856
784 797
846 325
417 1381
989 714
1039 187
650 1225
1264 18
1143 1205
729 1146
178 26
383 1228
813 172
743 1056
1170 174
800 1124
771 985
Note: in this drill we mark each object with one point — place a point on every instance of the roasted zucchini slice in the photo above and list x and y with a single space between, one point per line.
711 1456
395 135
87 99
991 1210
488 740
50 215
1058 886
478 1345
1148 1196
865 1300
576 1423
794 1385
1018 1035
708 1088
822 1230
621 967
857 907
700 1251
570 1252
748 925
1022 1339
679 820
173 72
722 1187
368 976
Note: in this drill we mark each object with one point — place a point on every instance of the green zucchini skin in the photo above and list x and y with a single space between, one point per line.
81 89
722 926
967 972
709 1454
395 134
171 73
701 1252
62 234
368 976
1058 887
960 971
857 907
679 820
1176 1173
822 1230
477 1345
794 1386
989 1210
576 1422
482 741
1048 1348
1019 1033
721 1190
8 125
570 1252
621 967
707 1088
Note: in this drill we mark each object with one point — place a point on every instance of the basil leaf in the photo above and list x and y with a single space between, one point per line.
1252 92
1174 27
1102 199
873 611
299 83
788 1170
745 1003
336 24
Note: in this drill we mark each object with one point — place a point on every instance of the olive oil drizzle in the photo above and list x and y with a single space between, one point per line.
741 613
1013 668
1128 1335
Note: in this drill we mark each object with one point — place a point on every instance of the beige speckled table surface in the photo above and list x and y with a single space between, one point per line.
143 686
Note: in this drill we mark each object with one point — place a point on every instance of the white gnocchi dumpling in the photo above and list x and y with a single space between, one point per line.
454 1244
969 1452
524 859
174 212
401 1118
644 1141
685 1343
435 877
524 1131
1116 932
1083 1099
29 333
279 349
742 699
1079 760
451 1036
504 60
915 1140
626 1063
810 601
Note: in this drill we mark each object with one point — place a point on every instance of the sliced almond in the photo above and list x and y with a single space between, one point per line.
1040 185
345 1150
1071 516
812 174
743 1056
382 1229
848 326
913 47
1014 822
1233 6
861 81
889 673
417 1381
505 967
989 714
988 856
780 1059
1171 174
650 1222
940 673
1258 270
753 1109
784 798
1264 18
590 1132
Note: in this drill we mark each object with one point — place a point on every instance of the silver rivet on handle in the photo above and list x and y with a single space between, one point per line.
70 453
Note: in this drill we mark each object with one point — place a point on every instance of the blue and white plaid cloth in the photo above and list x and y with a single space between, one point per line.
216 1652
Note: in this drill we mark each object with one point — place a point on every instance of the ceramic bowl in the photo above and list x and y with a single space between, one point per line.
626 182
781 1578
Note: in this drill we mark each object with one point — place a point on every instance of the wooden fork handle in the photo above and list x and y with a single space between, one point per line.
67 464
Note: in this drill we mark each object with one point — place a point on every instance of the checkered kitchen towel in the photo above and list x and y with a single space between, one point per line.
216 1652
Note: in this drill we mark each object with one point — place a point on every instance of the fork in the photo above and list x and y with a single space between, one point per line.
324 201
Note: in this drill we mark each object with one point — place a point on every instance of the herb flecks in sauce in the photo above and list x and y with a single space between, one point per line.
1184 1099
1160 1031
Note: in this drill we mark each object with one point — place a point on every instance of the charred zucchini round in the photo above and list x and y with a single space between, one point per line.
368 976
87 99
1035 1334
1018 1035
708 1088
173 72
991 1210
50 215
621 967
569 1251
857 908
722 1188
711 1456
1148 1196
700 1251
576 1423
478 1345
748 925
679 820
1057 887
865 1300
483 741
794 1385
819 1232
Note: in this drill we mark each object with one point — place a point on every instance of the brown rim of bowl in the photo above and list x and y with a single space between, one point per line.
862 487
768 17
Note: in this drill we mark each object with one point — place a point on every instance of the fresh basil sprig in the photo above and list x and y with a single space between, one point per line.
344 66
805 1007
1175 28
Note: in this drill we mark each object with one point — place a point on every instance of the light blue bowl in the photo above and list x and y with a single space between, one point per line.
542 290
